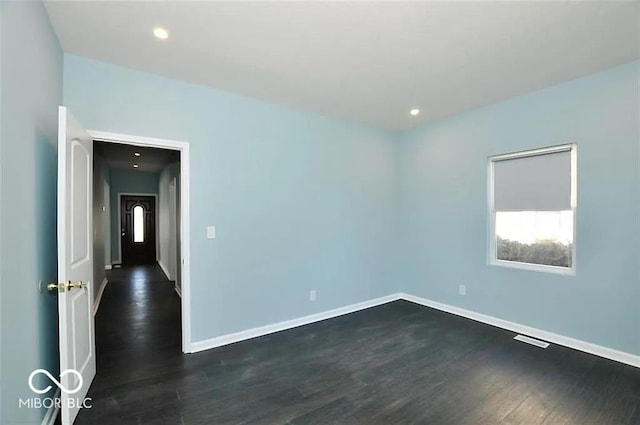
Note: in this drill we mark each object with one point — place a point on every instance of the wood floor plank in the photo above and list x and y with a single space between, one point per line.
399 363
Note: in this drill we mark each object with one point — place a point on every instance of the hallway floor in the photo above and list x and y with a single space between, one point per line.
398 363
138 340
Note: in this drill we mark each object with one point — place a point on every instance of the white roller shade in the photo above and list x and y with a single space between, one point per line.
533 183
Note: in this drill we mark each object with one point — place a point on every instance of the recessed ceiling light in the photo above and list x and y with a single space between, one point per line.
414 112
136 153
161 33
135 165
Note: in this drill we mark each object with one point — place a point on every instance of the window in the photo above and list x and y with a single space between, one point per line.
532 201
138 223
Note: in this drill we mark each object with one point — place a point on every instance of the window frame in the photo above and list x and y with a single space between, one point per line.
492 257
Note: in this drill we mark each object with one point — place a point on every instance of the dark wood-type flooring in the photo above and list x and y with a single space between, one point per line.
399 363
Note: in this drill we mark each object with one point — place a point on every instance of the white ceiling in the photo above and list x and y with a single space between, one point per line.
121 157
363 61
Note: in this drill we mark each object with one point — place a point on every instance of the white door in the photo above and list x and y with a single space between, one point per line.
75 263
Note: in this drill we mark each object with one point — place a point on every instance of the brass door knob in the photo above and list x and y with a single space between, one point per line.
61 287
79 285
58 287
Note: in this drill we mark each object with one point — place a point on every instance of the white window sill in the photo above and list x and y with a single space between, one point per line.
566 271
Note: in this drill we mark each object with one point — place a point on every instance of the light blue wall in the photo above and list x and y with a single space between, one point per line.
299 201
31 83
443 203
127 182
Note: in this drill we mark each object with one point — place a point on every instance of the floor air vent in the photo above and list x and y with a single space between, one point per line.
531 341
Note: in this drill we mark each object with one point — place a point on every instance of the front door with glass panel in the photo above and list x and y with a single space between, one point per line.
138 229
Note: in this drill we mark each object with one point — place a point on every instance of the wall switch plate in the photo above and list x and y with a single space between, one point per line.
462 289
211 232
312 295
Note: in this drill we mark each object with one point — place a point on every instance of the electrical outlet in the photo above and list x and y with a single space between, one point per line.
462 289
312 295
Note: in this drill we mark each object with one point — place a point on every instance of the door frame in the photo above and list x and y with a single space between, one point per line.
184 235
154 195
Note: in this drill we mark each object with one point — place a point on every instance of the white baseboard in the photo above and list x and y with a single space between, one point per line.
96 303
576 344
165 269
178 290
288 324
52 412
107 266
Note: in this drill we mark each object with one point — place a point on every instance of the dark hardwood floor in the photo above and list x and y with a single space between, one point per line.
399 363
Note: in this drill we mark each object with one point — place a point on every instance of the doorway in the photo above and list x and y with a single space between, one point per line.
158 209
83 238
138 229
